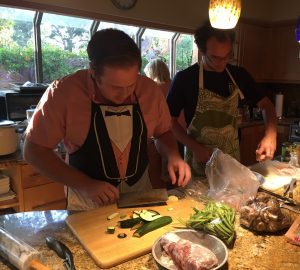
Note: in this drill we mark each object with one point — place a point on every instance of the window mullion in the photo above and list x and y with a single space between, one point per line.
173 54
38 47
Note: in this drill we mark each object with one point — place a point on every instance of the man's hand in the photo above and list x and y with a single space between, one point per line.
177 166
266 148
101 192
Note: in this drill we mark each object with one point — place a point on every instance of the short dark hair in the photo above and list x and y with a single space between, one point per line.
112 47
206 31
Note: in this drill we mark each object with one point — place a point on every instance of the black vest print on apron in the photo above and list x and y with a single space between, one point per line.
96 156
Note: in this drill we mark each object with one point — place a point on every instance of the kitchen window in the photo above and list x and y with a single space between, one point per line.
128 29
16 47
156 44
41 47
64 40
186 52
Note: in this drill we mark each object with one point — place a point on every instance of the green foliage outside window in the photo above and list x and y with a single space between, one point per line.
58 63
184 53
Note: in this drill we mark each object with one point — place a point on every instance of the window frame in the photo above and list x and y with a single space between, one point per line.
142 26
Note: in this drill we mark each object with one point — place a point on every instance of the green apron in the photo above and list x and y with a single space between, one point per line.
214 124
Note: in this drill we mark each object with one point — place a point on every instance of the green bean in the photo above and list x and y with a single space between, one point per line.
216 218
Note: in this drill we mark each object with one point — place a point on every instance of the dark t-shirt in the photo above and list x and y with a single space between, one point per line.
184 89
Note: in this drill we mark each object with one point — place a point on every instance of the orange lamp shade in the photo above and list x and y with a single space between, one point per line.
224 14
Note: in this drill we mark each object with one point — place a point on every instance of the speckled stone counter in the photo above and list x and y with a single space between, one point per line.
250 251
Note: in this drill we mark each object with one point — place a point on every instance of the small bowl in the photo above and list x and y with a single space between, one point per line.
198 237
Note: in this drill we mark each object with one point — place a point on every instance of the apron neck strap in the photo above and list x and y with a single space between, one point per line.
201 82
236 86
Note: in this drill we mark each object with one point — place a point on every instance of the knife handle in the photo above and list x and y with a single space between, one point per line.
62 251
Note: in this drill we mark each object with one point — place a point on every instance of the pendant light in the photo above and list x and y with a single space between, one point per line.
224 14
297 30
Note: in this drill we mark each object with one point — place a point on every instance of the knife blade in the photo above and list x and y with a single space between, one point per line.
145 198
62 251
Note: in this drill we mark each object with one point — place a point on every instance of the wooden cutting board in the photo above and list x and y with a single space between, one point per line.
107 249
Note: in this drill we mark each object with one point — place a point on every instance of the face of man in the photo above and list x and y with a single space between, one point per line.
116 84
217 54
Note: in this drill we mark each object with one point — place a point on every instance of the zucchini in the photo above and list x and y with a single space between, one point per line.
110 230
138 225
149 215
128 223
112 216
153 225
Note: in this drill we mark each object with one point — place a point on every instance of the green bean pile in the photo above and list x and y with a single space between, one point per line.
217 219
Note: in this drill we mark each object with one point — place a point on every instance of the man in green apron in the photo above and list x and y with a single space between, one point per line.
209 93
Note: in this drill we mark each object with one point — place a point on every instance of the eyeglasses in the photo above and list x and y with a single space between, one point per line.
218 59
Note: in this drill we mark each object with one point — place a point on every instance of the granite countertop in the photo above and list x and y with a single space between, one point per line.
250 251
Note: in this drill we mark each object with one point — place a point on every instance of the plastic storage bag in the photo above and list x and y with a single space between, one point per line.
229 180
264 214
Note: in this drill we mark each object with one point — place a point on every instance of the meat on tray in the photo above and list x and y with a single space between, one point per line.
187 255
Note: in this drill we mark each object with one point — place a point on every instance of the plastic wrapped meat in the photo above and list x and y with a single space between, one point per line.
187 255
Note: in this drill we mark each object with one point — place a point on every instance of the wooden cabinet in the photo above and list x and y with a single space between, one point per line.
33 191
252 50
284 54
12 170
40 193
270 52
250 136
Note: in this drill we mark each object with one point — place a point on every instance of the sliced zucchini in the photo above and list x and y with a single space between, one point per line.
138 225
149 215
136 213
110 230
152 225
112 216
128 223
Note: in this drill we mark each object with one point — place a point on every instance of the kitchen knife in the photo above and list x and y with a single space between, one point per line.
62 251
145 198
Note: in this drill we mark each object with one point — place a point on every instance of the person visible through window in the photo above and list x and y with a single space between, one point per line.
158 71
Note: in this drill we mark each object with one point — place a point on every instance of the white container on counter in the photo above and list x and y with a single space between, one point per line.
8 138
30 112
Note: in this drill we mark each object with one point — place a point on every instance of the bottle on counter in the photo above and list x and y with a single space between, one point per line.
246 113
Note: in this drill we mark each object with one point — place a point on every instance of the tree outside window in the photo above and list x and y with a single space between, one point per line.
16 47
64 42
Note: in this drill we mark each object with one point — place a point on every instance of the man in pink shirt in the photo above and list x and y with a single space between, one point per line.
106 117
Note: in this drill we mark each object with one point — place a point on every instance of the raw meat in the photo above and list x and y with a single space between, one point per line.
187 255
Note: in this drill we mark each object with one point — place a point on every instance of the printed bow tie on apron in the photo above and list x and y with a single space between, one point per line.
214 123
112 113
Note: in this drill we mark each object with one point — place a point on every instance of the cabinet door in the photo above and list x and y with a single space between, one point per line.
253 50
284 54
30 178
44 197
250 138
